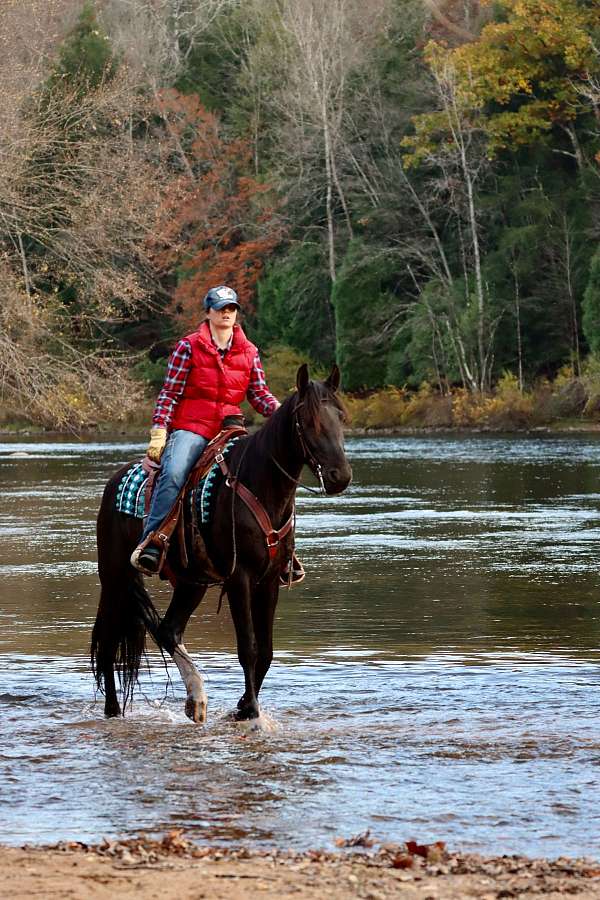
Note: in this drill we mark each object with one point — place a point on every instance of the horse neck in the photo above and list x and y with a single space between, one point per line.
274 489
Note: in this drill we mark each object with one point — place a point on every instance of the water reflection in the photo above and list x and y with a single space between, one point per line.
436 676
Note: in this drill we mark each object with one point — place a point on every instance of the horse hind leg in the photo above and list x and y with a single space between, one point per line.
169 636
196 704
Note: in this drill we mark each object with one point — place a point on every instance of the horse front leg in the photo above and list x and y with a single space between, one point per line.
264 604
184 602
238 592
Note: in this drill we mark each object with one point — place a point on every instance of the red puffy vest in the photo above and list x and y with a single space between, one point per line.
215 387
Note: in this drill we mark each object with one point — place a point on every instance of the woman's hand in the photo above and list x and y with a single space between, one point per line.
158 439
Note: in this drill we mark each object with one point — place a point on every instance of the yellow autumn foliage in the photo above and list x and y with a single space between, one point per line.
520 78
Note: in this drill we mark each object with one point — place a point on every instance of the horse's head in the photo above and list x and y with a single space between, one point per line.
320 418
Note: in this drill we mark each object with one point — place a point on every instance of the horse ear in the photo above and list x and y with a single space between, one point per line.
302 379
333 379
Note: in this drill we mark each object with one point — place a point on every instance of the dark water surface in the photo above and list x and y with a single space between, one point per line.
437 676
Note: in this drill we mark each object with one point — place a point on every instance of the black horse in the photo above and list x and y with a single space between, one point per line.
307 428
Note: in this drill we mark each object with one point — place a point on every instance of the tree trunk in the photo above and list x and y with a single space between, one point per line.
483 374
519 335
329 194
572 301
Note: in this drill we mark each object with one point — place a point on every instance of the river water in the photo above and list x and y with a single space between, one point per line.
437 676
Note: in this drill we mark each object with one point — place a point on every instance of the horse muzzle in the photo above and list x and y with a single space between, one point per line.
337 480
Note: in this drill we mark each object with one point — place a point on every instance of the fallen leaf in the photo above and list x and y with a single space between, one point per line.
417 849
363 839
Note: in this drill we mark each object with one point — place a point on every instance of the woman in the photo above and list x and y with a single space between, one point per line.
208 375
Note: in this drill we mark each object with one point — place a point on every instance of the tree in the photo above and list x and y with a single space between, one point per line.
524 71
362 297
591 305
78 199
321 45
457 164
294 305
218 223
517 85
86 56
157 37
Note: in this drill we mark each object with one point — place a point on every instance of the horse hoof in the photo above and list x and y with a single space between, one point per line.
112 710
196 710
245 713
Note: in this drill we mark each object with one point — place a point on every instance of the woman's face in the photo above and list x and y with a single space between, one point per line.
223 318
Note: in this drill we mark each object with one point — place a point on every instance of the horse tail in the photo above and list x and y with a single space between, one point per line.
119 636
125 609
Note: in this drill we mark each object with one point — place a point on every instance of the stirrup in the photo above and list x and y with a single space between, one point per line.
138 563
292 574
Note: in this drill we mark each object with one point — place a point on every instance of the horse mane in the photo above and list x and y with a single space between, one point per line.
275 428
316 393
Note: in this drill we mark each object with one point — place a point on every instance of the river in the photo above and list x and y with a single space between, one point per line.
436 677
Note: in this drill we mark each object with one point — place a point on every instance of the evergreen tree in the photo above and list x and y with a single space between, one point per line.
362 298
294 306
85 57
591 305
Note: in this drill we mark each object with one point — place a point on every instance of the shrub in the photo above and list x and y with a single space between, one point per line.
357 408
427 409
591 381
467 408
508 408
385 408
392 407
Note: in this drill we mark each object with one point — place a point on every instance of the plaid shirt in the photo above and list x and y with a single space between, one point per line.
178 369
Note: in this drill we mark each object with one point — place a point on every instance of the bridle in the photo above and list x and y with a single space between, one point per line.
273 537
307 456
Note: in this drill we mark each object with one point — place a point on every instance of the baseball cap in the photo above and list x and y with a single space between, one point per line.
221 296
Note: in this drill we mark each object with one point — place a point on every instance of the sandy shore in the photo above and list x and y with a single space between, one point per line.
176 868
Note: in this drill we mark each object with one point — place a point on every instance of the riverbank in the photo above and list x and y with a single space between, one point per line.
566 404
174 867
141 434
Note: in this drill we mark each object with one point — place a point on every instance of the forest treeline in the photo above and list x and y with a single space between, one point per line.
410 188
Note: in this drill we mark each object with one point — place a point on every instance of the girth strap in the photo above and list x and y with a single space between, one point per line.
273 536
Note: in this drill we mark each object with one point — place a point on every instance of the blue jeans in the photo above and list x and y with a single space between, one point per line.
183 449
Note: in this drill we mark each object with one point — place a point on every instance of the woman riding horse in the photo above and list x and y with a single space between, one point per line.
208 375
249 539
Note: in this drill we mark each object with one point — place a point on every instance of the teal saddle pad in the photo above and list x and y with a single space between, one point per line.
131 490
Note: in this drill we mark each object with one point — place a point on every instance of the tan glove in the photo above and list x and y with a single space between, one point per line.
158 439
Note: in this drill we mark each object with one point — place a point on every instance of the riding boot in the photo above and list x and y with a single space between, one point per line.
146 559
150 554
292 573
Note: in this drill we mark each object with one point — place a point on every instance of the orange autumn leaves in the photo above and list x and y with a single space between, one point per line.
218 223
